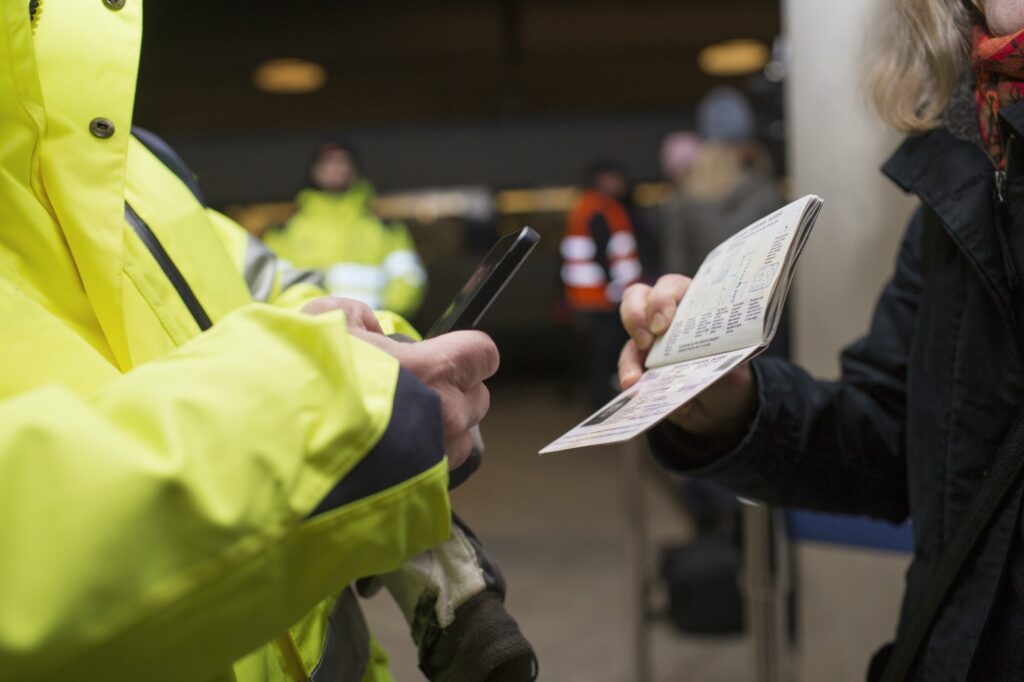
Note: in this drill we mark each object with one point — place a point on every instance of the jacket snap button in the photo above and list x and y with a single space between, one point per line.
114 4
101 128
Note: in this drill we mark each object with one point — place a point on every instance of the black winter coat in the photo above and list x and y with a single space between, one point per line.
923 403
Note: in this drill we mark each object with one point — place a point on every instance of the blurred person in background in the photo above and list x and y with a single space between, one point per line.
722 181
720 184
599 253
931 397
198 454
679 151
336 231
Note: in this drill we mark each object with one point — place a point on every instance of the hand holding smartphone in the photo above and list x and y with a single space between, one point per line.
469 305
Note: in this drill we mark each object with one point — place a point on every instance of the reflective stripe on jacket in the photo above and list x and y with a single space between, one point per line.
361 256
159 483
598 252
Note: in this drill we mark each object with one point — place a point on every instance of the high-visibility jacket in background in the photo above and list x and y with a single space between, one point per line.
599 253
361 256
166 444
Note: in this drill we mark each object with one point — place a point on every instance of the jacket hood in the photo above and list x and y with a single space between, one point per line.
58 79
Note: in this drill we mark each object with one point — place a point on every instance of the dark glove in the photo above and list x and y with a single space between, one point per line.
483 644
453 598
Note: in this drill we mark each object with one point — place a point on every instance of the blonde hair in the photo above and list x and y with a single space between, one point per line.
917 61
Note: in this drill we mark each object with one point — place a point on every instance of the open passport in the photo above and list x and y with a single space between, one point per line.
729 314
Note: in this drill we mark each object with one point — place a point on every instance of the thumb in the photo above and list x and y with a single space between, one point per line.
472 356
631 364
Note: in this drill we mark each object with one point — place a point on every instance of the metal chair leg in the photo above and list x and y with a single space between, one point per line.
765 584
633 456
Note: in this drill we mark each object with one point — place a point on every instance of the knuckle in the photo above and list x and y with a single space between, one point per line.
478 356
458 450
634 315
635 289
636 293
442 365
454 422
484 400
451 412
484 408
448 367
635 312
660 297
669 292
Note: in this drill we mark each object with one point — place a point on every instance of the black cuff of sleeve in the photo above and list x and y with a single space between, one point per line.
412 443
692 455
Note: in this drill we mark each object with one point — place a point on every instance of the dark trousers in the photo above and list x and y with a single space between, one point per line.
604 337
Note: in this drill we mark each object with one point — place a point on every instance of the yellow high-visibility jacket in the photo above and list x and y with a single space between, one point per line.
361 256
176 504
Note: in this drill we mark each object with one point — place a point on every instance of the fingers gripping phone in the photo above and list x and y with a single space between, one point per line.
465 311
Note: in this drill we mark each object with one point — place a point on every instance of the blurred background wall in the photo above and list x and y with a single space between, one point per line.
496 92
527 151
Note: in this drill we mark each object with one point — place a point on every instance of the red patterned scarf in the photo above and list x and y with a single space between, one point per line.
999 64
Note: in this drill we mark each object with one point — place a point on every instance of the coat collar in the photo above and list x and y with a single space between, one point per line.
1012 118
86 57
955 180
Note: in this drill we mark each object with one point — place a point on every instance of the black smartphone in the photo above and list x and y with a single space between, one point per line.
498 267
470 304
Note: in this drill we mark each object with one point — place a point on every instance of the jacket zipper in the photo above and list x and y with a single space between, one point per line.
1001 174
172 272
1009 267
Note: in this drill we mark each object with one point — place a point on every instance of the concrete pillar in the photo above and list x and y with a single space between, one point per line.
836 147
849 598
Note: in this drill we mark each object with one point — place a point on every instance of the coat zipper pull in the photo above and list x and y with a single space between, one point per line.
1001 187
1009 266
1001 173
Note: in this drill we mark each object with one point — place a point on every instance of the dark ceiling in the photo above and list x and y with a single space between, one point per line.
405 61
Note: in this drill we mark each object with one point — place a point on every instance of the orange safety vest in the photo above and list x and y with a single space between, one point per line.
597 268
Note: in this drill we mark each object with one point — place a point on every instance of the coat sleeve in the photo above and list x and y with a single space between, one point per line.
188 511
831 446
270 278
